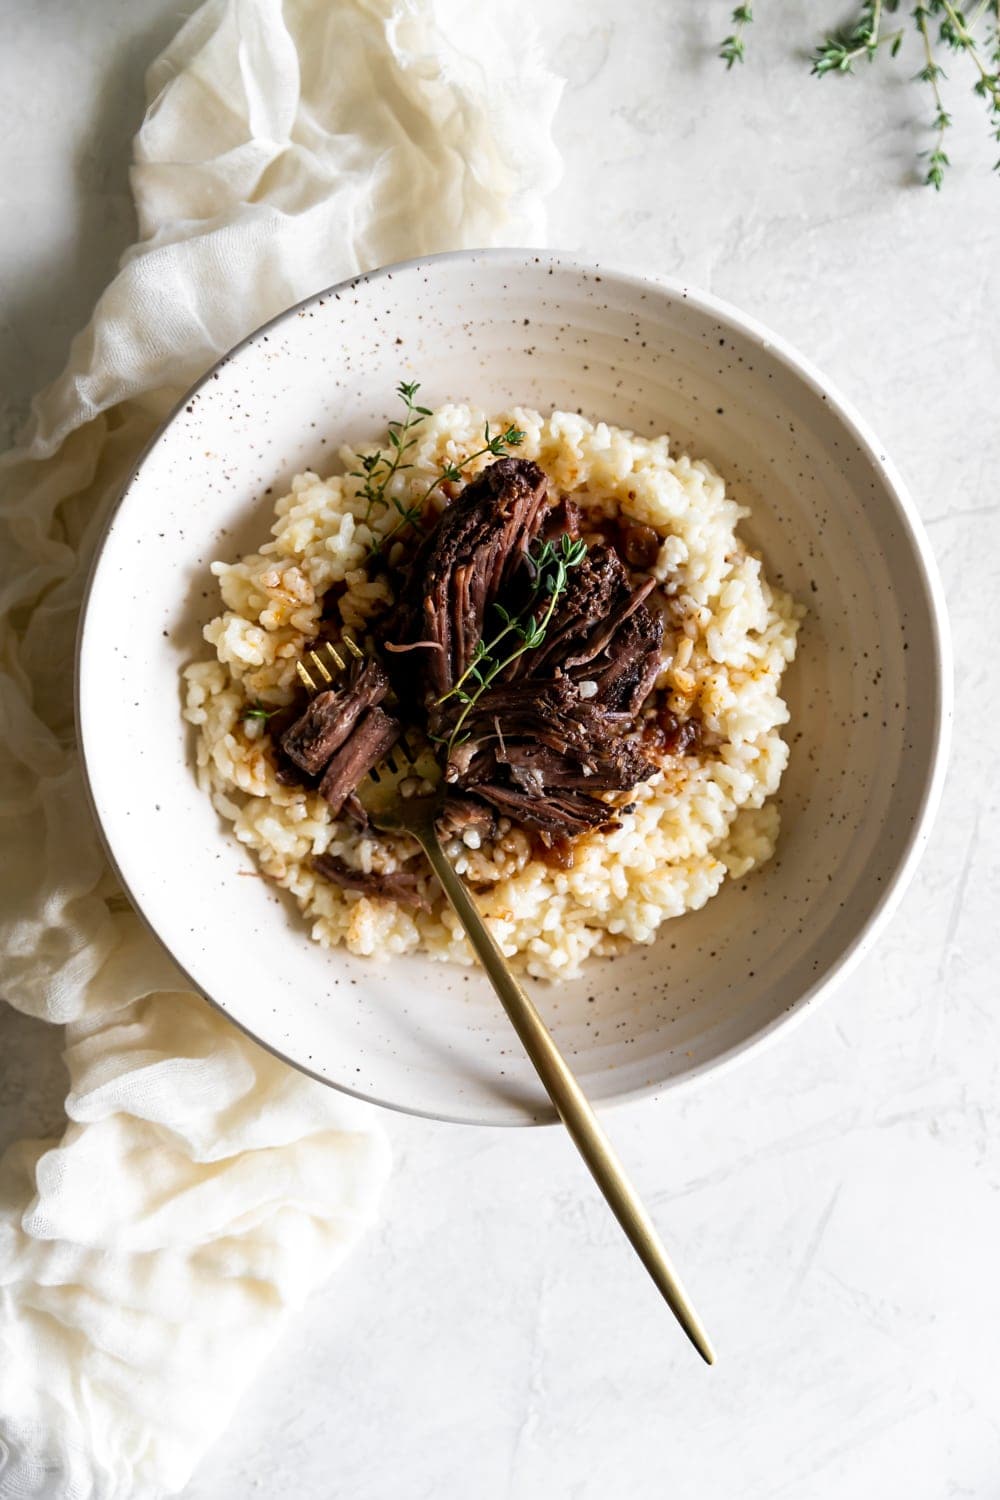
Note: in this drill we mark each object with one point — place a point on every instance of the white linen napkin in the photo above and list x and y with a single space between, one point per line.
202 1189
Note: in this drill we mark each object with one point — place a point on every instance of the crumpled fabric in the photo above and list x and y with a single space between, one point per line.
202 1189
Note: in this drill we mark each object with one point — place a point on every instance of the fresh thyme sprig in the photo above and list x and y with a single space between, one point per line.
937 158
497 445
733 48
257 710
839 52
956 33
549 570
378 469
865 37
410 515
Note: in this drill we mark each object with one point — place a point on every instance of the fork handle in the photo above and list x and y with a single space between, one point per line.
569 1100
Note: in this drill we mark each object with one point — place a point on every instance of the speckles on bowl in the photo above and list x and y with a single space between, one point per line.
867 693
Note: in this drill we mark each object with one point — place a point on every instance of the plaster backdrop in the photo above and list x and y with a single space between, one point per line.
833 1202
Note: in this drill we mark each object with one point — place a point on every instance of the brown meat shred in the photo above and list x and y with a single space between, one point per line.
562 518
464 815
331 716
560 724
562 814
373 737
459 571
397 885
615 767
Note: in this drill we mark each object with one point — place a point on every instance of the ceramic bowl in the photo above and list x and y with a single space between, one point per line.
869 692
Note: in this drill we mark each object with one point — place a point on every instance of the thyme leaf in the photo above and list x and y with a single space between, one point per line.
256 710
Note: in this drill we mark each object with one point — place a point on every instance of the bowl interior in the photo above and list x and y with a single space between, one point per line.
866 692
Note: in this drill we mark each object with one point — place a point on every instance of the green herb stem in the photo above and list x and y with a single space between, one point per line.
931 71
840 50
497 445
551 567
733 48
377 469
411 515
257 710
989 83
473 668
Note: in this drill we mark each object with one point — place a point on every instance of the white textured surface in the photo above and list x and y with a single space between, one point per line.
834 1202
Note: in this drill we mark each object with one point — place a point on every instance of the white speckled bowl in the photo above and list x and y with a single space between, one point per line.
869 694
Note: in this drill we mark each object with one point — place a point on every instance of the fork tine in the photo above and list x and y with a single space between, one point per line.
335 660
407 749
304 675
320 666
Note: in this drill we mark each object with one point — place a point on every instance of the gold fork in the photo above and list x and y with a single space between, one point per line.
391 812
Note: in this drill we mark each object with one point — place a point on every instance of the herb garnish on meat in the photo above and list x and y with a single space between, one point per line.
378 468
539 715
524 655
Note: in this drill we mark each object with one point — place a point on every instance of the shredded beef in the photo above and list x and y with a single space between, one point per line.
558 727
614 767
562 814
400 885
372 739
466 815
330 717
559 724
458 572
563 518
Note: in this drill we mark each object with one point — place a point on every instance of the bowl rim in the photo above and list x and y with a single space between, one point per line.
895 489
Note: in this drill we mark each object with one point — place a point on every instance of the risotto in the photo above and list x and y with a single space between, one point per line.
703 814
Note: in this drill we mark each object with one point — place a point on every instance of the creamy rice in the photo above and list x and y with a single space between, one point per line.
729 635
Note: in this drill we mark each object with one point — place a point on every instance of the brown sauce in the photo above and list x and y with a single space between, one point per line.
555 853
670 734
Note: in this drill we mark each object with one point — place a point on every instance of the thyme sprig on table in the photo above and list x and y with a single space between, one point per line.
941 25
839 52
930 73
734 48
378 469
549 569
